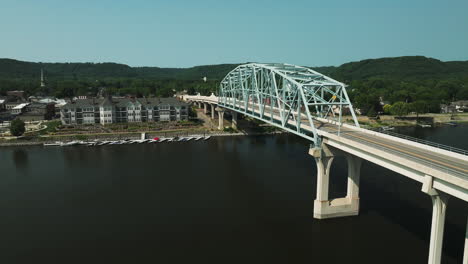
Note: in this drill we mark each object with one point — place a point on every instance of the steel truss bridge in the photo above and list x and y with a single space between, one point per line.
313 106
297 94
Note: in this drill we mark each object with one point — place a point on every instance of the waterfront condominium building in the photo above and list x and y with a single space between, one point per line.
122 110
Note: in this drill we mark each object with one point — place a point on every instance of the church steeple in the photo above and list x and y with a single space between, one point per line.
42 78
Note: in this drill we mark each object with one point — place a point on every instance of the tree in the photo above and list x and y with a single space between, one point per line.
399 109
17 127
371 112
419 107
387 108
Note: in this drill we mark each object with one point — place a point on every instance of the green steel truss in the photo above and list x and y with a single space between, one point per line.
286 96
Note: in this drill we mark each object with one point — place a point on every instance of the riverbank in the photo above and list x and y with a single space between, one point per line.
203 126
432 120
249 127
39 141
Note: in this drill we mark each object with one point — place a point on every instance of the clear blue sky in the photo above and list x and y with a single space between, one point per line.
178 33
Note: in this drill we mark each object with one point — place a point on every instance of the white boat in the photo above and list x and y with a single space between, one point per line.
385 128
71 143
424 125
198 138
103 143
207 137
56 143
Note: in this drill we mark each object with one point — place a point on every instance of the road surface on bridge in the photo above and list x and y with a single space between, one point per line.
457 167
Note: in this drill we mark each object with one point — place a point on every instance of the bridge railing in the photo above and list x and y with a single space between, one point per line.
425 142
425 162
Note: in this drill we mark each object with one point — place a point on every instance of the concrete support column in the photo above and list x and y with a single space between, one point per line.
465 253
221 118
234 119
205 108
323 178
212 111
354 174
346 206
439 206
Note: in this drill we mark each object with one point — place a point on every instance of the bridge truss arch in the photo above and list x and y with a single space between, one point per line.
288 96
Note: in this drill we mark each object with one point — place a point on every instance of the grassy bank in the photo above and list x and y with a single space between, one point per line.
409 120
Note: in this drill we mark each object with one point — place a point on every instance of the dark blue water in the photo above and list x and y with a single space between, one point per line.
227 200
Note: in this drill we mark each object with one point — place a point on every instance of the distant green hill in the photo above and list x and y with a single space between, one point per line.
14 69
421 84
401 68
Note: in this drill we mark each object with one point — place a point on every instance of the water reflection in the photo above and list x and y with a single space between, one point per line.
20 158
228 194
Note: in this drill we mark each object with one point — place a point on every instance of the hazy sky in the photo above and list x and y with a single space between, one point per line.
178 33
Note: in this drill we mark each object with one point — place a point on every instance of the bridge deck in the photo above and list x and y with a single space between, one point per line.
435 160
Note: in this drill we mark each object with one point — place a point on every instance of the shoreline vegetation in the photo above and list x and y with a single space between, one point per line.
410 120
54 131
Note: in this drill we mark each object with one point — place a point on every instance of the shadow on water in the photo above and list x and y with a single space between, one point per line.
20 158
401 201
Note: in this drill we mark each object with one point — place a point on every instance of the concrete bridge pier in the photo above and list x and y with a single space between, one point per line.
221 117
205 108
439 206
346 206
212 111
465 253
234 119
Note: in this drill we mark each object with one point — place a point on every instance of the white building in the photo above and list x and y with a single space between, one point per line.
19 109
122 110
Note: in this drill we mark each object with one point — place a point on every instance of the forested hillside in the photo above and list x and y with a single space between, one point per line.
418 83
69 79
412 80
401 68
12 69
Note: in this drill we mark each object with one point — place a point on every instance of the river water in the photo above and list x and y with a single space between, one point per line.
226 200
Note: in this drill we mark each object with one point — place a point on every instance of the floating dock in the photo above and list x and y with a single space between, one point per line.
126 141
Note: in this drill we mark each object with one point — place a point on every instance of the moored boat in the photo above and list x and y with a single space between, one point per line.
56 143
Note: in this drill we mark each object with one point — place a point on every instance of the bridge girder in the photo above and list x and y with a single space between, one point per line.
285 95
